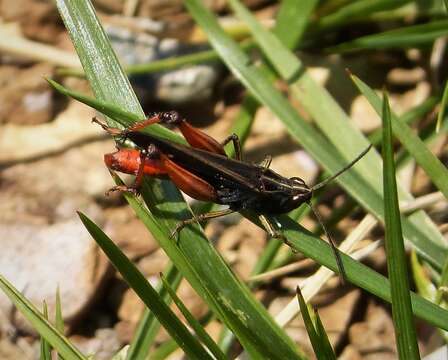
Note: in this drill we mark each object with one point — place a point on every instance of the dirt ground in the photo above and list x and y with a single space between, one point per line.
51 165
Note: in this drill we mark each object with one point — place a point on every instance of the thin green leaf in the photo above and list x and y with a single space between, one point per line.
353 11
409 117
443 105
148 325
45 347
107 79
443 284
409 36
325 341
423 156
39 323
200 57
292 20
59 321
146 292
405 334
285 58
422 281
319 341
163 351
357 273
195 325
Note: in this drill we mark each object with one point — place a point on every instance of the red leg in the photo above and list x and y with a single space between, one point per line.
195 137
188 182
144 123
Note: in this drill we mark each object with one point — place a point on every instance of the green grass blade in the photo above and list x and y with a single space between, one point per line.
107 79
195 325
318 337
163 351
292 19
409 117
39 323
443 105
357 273
59 321
443 284
354 10
363 180
148 325
422 280
146 292
45 347
423 156
329 352
409 36
200 57
285 59
405 334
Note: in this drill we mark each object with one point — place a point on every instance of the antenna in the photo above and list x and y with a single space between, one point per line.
333 246
345 168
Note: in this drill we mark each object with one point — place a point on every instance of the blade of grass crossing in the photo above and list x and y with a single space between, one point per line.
197 327
432 166
442 108
422 280
40 324
411 116
45 347
148 325
59 321
409 36
316 333
355 10
285 59
96 55
146 292
292 20
443 284
396 257
163 351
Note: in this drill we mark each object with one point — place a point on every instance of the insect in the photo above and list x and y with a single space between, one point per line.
204 172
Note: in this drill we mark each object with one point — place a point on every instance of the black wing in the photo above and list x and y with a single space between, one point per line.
216 169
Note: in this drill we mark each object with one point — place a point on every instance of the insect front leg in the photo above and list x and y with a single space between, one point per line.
236 145
195 137
273 232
